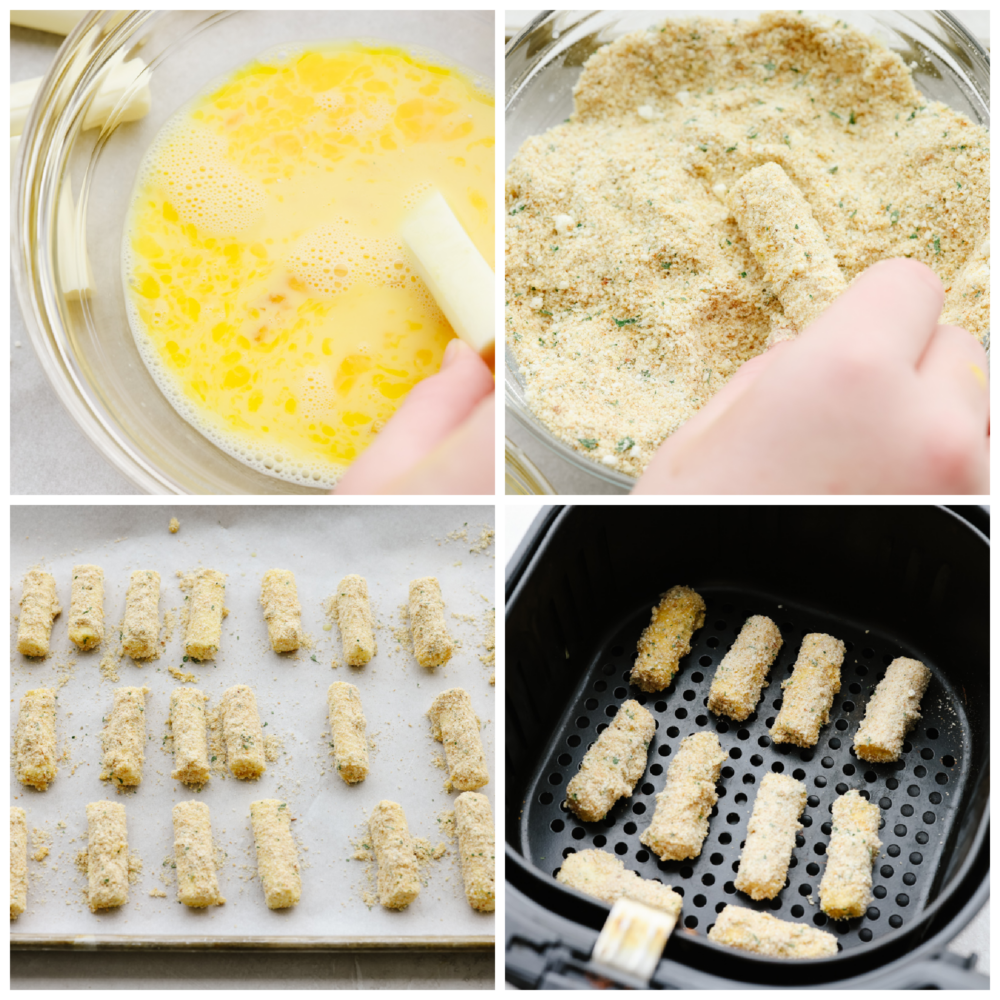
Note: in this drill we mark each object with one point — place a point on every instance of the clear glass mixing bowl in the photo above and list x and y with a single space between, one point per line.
544 61
85 346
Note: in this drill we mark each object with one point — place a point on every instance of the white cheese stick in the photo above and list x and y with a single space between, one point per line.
123 740
141 628
846 888
197 884
398 877
277 855
242 732
347 726
748 930
892 711
476 849
35 739
18 862
279 598
39 607
456 726
432 644
86 608
353 612
107 855
187 723
605 877
206 609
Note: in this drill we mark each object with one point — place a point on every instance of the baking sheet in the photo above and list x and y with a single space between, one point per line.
386 544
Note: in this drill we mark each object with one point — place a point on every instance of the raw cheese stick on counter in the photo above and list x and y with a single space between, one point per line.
107 856
242 732
280 599
35 739
86 607
398 876
892 711
123 740
277 855
476 849
680 821
808 693
190 736
771 836
197 883
39 607
846 889
206 609
613 765
741 675
455 725
432 644
353 612
347 727
667 638
141 628
18 862
748 930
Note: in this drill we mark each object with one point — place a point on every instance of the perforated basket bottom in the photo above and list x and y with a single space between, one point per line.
918 795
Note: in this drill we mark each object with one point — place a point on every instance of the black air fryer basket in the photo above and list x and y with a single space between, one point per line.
889 581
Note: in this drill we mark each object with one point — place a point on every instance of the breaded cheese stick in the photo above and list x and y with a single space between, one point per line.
242 732
778 224
763 934
667 638
206 609
808 693
86 607
188 725
280 599
476 849
107 855
347 726
18 862
846 889
123 740
398 877
892 711
740 676
39 607
432 644
277 855
613 765
680 821
354 617
35 739
141 628
456 726
603 876
197 884
771 836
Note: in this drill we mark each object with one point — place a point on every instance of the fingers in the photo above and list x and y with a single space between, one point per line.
953 368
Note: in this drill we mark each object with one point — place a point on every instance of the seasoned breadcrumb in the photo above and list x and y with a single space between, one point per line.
197 884
477 849
18 862
141 627
763 934
123 739
432 645
86 609
455 725
667 637
398 876
279 597
603 876
808 693
206 609
277 855
354 616
107 856
741 675
39 607
190 736
892 711
35 739
242 732
846 889
347 727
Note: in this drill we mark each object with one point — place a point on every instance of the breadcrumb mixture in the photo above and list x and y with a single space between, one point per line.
632 296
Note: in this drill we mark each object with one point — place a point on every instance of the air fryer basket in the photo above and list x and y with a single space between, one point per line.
889 581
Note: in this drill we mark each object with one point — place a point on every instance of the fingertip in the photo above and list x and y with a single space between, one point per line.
907 270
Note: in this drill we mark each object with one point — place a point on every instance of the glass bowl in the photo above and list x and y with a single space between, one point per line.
544 61
85 345
521 476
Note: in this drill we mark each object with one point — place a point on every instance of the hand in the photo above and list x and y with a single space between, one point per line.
873 397
441 440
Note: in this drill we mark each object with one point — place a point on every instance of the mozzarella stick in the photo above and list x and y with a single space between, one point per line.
613 765
107 855
206 609
892 711
846 889
432 644
398 877
667 638
197 884
187 723
347 726
18 862
354 616
771 836
242 732
277 855
39 607
454 724
35 739
280 599
787 242
86 607
476 849
808 693
763 934
123 740
680 821
603 876
141 628
741 675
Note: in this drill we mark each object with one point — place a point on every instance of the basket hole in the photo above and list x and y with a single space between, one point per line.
935 798
941 778
909 878
879 892
639 808
557 826
873 913
609 669
621 849
705 661
583 722
663 750
932 734
600 840
722 727
708 879
849 769
892 850
611 711
712 642
735 753
579 833
885 871
841 724
689 695
691 922
916 858
590 704
642 856
681 713
861 670
899 830
854 688
732 819
660 706
725 838
567 851
720 625
601 686
630 828
764 741
895 921
699 900
574 740
796 910
656 770
848 706
555 778
906 809
929 818
777 767
749 779
820 920
545 798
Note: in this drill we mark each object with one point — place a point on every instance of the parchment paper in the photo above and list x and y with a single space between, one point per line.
389 546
